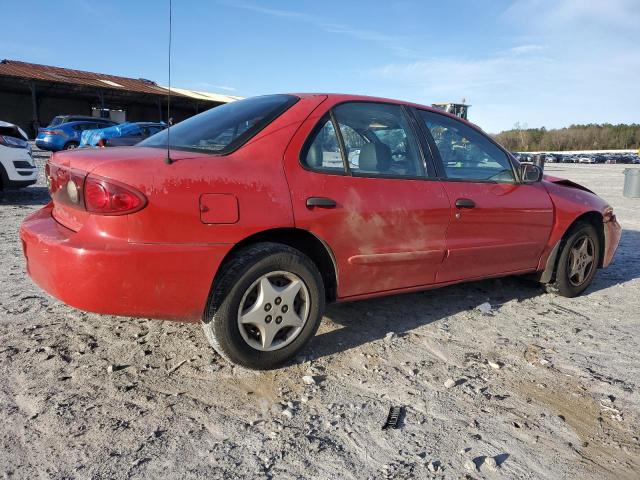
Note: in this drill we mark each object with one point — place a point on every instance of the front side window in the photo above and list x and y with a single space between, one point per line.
467 154
224 128
378 140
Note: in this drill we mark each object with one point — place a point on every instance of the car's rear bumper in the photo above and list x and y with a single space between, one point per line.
116 277
48 143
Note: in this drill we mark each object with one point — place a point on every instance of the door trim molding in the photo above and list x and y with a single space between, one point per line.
397 257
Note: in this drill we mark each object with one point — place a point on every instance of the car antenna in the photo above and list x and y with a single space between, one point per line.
168 160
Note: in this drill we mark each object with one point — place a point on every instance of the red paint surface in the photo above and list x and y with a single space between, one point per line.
385 235
506 232
219 208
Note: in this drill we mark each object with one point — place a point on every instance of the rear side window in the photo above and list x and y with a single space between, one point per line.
378 140
323 150
223 129
375 140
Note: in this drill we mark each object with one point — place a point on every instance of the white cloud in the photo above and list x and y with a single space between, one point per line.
394 43
540 90
450 78
550 14
577 61
524 49
214 86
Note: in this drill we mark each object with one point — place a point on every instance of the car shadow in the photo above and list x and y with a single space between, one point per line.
369 320
625 266
33 195
365 321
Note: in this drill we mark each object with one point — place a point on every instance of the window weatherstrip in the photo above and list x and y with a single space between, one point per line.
343 149
415 130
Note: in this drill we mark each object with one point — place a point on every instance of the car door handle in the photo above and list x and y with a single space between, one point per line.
321 202
465 203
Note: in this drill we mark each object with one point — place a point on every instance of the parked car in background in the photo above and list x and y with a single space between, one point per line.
125 134
550 159
60 119
586 160
17 168
260 214
66 135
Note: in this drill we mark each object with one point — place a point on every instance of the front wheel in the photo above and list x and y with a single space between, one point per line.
578 262
265 306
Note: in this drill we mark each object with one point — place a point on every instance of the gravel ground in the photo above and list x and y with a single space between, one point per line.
539 387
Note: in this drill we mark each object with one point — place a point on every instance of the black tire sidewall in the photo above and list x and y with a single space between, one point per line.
224 324
563 285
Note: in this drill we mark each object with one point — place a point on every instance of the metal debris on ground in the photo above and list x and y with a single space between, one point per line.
393 419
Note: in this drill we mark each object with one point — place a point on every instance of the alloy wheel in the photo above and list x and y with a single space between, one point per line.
273 311
581 260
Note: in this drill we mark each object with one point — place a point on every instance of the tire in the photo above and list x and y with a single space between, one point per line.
241 279
568 283
70 146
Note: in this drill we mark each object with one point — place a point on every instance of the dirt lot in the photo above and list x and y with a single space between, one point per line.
545 387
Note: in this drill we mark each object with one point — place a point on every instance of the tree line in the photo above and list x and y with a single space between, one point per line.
576 137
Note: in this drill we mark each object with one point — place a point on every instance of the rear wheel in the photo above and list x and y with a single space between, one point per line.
578 262
70 146
265 306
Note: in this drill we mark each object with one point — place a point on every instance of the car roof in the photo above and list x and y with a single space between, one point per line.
88 120
80 117
347 97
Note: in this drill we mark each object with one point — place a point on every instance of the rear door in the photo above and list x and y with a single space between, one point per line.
498 224
360 182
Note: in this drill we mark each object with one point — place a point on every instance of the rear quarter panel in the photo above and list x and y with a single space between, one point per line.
253 174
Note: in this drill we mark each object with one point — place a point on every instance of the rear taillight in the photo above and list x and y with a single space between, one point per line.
108 197
92 193
53 132
102 142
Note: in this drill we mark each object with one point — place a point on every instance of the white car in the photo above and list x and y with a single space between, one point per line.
586 160
17 168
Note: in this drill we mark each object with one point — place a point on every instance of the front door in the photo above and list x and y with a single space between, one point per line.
359 182
498 224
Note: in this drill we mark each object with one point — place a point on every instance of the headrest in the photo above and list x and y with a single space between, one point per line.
314 155
375 157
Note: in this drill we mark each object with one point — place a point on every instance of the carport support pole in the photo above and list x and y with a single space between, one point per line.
34 106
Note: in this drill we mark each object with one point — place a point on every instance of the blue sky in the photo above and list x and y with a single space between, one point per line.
537 62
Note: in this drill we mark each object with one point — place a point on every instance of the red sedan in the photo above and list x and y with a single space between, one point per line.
263 210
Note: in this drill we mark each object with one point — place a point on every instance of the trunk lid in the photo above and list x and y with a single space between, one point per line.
121 164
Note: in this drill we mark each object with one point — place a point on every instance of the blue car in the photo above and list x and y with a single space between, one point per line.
125 134
65 136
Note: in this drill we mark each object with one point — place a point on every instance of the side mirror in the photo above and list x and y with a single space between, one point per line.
530 173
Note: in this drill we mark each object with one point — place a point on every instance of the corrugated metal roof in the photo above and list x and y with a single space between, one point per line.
34 71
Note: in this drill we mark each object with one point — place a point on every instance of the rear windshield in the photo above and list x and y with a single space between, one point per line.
223 129
56 121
